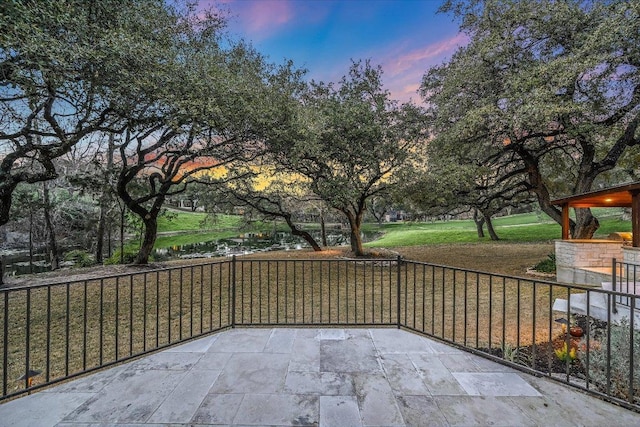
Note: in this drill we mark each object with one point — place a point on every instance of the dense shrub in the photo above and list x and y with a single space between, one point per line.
619 363
79 258
547 265
128 258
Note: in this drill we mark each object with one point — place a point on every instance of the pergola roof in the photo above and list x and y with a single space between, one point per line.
626 195
619 196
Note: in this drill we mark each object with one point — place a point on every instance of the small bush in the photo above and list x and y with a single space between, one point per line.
546 265
128 258
79 258
619 363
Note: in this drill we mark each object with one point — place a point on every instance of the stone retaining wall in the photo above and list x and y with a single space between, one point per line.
573 256
631 255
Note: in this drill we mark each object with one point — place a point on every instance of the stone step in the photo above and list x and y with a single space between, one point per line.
599 306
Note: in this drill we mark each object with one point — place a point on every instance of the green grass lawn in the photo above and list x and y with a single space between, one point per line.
174 221
515 228
530 227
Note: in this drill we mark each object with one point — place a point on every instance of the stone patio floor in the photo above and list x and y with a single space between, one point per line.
326 377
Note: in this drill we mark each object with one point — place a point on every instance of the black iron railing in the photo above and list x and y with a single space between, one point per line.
625 278
569 333
57 331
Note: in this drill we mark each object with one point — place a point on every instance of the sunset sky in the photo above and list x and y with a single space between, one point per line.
405 37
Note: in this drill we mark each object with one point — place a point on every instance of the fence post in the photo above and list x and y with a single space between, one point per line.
614 274
233 291
398 278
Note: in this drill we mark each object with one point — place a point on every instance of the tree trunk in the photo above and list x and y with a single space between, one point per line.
479 221
301 233
100 233
492 232
354 226
103 203
31 241
148 240
52 245
586 224
323 229
122 212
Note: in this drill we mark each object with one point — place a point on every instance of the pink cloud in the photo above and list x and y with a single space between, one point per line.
264 15
259 19
403 71
429 54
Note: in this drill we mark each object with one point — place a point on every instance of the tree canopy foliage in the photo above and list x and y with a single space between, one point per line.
179 95
63 68
350 140
546 92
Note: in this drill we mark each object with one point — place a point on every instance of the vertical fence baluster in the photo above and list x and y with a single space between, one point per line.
424 291
157 308
588 338
131 315
533 326
329 289
201 298
466 306
169 308
211 283
320 297
608 346
489 344
550 325
518 314
260 291
233 291
180 304
433 300
477 331
48 338
504 316
442 303
286 292
144 312
614 274
566 335
5 341
631 343
101 320
453 308
27 336
398 290
374 283
66 331
250 291
191 301
84 328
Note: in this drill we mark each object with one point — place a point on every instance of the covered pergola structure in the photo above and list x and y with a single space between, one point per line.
627 196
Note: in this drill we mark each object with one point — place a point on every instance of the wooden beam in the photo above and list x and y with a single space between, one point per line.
565 221
635 218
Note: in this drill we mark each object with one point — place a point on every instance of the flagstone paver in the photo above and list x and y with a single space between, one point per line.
315 377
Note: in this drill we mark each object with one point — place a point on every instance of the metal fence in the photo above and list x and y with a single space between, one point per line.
568 333
625 278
